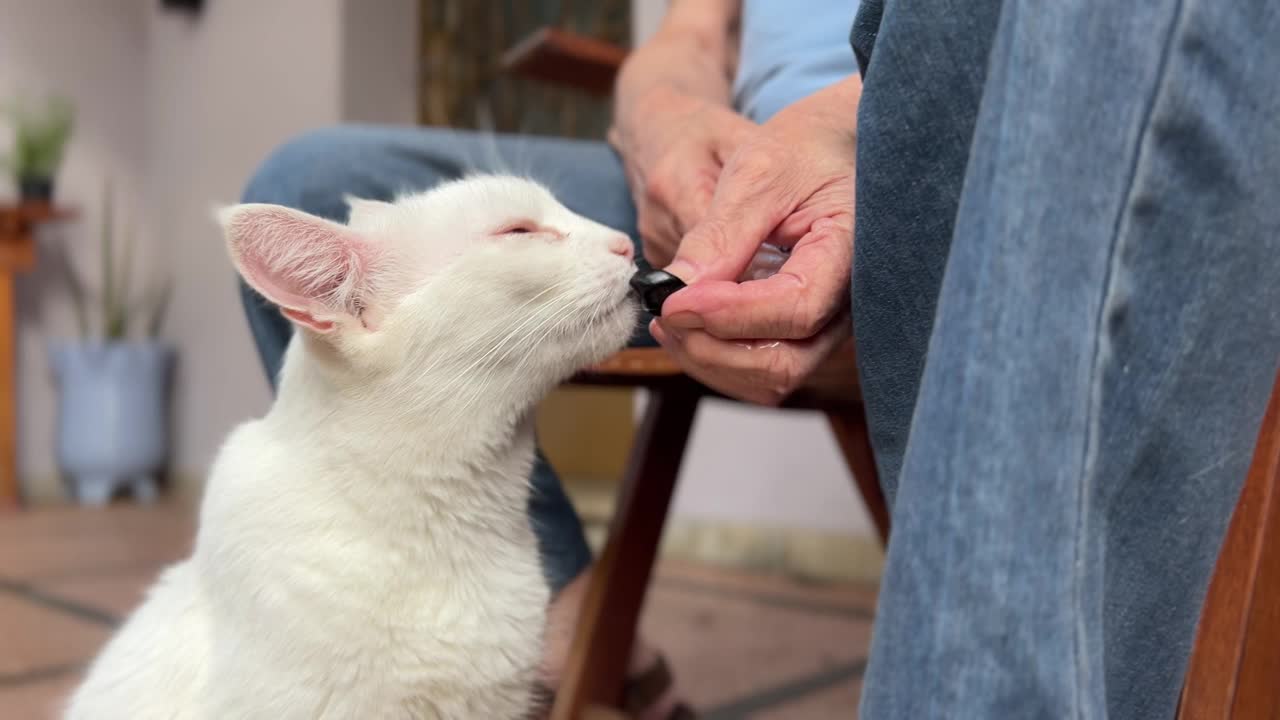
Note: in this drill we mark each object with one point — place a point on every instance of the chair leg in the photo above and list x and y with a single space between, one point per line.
597 665
1236 658
850 429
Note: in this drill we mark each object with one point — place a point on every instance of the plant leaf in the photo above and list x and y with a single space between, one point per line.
108 265
40 138
160 308
75 287
123 307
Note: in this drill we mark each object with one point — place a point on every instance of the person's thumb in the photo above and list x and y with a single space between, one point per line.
749 202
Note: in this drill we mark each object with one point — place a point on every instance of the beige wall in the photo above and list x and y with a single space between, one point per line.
94 53
380 61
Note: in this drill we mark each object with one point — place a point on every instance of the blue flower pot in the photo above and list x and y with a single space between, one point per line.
112 429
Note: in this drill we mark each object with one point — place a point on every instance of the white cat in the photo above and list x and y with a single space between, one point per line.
364 550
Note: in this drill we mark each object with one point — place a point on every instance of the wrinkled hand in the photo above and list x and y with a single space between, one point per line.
673 157
789 184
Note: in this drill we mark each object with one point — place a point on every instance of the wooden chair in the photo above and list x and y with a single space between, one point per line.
1235 666
597 664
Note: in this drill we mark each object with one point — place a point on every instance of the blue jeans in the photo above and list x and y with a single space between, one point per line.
314 172
1068 326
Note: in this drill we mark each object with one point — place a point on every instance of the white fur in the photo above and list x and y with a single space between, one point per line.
364 550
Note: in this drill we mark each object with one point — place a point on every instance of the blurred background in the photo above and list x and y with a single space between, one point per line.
122 123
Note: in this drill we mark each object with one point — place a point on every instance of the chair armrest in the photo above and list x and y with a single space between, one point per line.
564 58
834 385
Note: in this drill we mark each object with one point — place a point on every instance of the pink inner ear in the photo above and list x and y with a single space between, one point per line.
316 268
307 319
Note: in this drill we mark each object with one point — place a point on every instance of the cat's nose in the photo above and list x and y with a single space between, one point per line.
621 245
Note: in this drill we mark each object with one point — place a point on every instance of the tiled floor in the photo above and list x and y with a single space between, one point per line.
741 645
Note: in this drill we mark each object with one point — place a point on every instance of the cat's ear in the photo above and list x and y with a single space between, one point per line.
362 210
318 272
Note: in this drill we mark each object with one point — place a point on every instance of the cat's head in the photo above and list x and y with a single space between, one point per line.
477 283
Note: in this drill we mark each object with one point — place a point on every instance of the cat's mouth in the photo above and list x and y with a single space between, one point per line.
624 304
610 310
625 301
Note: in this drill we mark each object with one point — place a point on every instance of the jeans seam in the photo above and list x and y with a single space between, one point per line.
1101 350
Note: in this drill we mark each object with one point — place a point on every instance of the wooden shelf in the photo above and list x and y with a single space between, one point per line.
17 221
18 224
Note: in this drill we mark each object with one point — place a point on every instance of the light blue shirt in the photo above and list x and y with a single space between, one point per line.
789 50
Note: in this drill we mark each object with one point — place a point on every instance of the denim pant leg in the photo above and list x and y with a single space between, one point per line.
1104 343
314 172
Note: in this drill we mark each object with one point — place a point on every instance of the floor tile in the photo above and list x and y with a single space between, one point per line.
784 648
37 637
840 701
722 648
855 598
55 543
115 593
42 700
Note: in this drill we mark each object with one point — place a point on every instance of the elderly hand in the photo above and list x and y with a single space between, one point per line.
789 184
673 155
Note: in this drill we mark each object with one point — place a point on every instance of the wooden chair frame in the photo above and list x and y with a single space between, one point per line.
596 668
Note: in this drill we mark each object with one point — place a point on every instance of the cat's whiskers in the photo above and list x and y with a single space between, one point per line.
478 339
546 328
452 353
486 360
569 318
465 375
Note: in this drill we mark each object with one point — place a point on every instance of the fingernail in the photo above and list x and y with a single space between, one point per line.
683 269
665 331
657 331
686 319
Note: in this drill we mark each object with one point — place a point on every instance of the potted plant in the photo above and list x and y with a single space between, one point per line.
112 431
40 137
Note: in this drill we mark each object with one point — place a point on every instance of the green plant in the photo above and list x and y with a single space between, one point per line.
119 308
40 137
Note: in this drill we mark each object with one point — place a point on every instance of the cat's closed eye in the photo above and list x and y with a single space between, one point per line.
517 228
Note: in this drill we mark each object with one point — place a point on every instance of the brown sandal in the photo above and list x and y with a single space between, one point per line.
642 691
